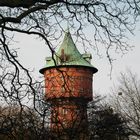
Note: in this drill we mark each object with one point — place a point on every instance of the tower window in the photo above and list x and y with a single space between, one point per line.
87 57
64 111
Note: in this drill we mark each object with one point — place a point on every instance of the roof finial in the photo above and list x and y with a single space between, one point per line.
67 29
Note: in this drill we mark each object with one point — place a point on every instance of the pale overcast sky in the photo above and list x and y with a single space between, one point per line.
33 52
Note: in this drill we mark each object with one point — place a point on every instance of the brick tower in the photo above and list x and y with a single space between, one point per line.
68 88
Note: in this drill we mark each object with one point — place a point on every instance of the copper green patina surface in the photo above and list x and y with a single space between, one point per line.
68 55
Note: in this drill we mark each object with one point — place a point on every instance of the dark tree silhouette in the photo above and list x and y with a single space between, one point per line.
105 124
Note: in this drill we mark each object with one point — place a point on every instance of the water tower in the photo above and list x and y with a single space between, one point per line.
68 88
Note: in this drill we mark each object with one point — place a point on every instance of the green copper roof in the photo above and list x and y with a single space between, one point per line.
68 55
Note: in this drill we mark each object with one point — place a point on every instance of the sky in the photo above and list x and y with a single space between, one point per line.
32 55
131 61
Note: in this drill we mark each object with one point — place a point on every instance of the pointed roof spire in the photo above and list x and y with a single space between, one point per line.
67 29
68 55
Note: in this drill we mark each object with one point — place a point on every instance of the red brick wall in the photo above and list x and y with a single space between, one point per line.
68 82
